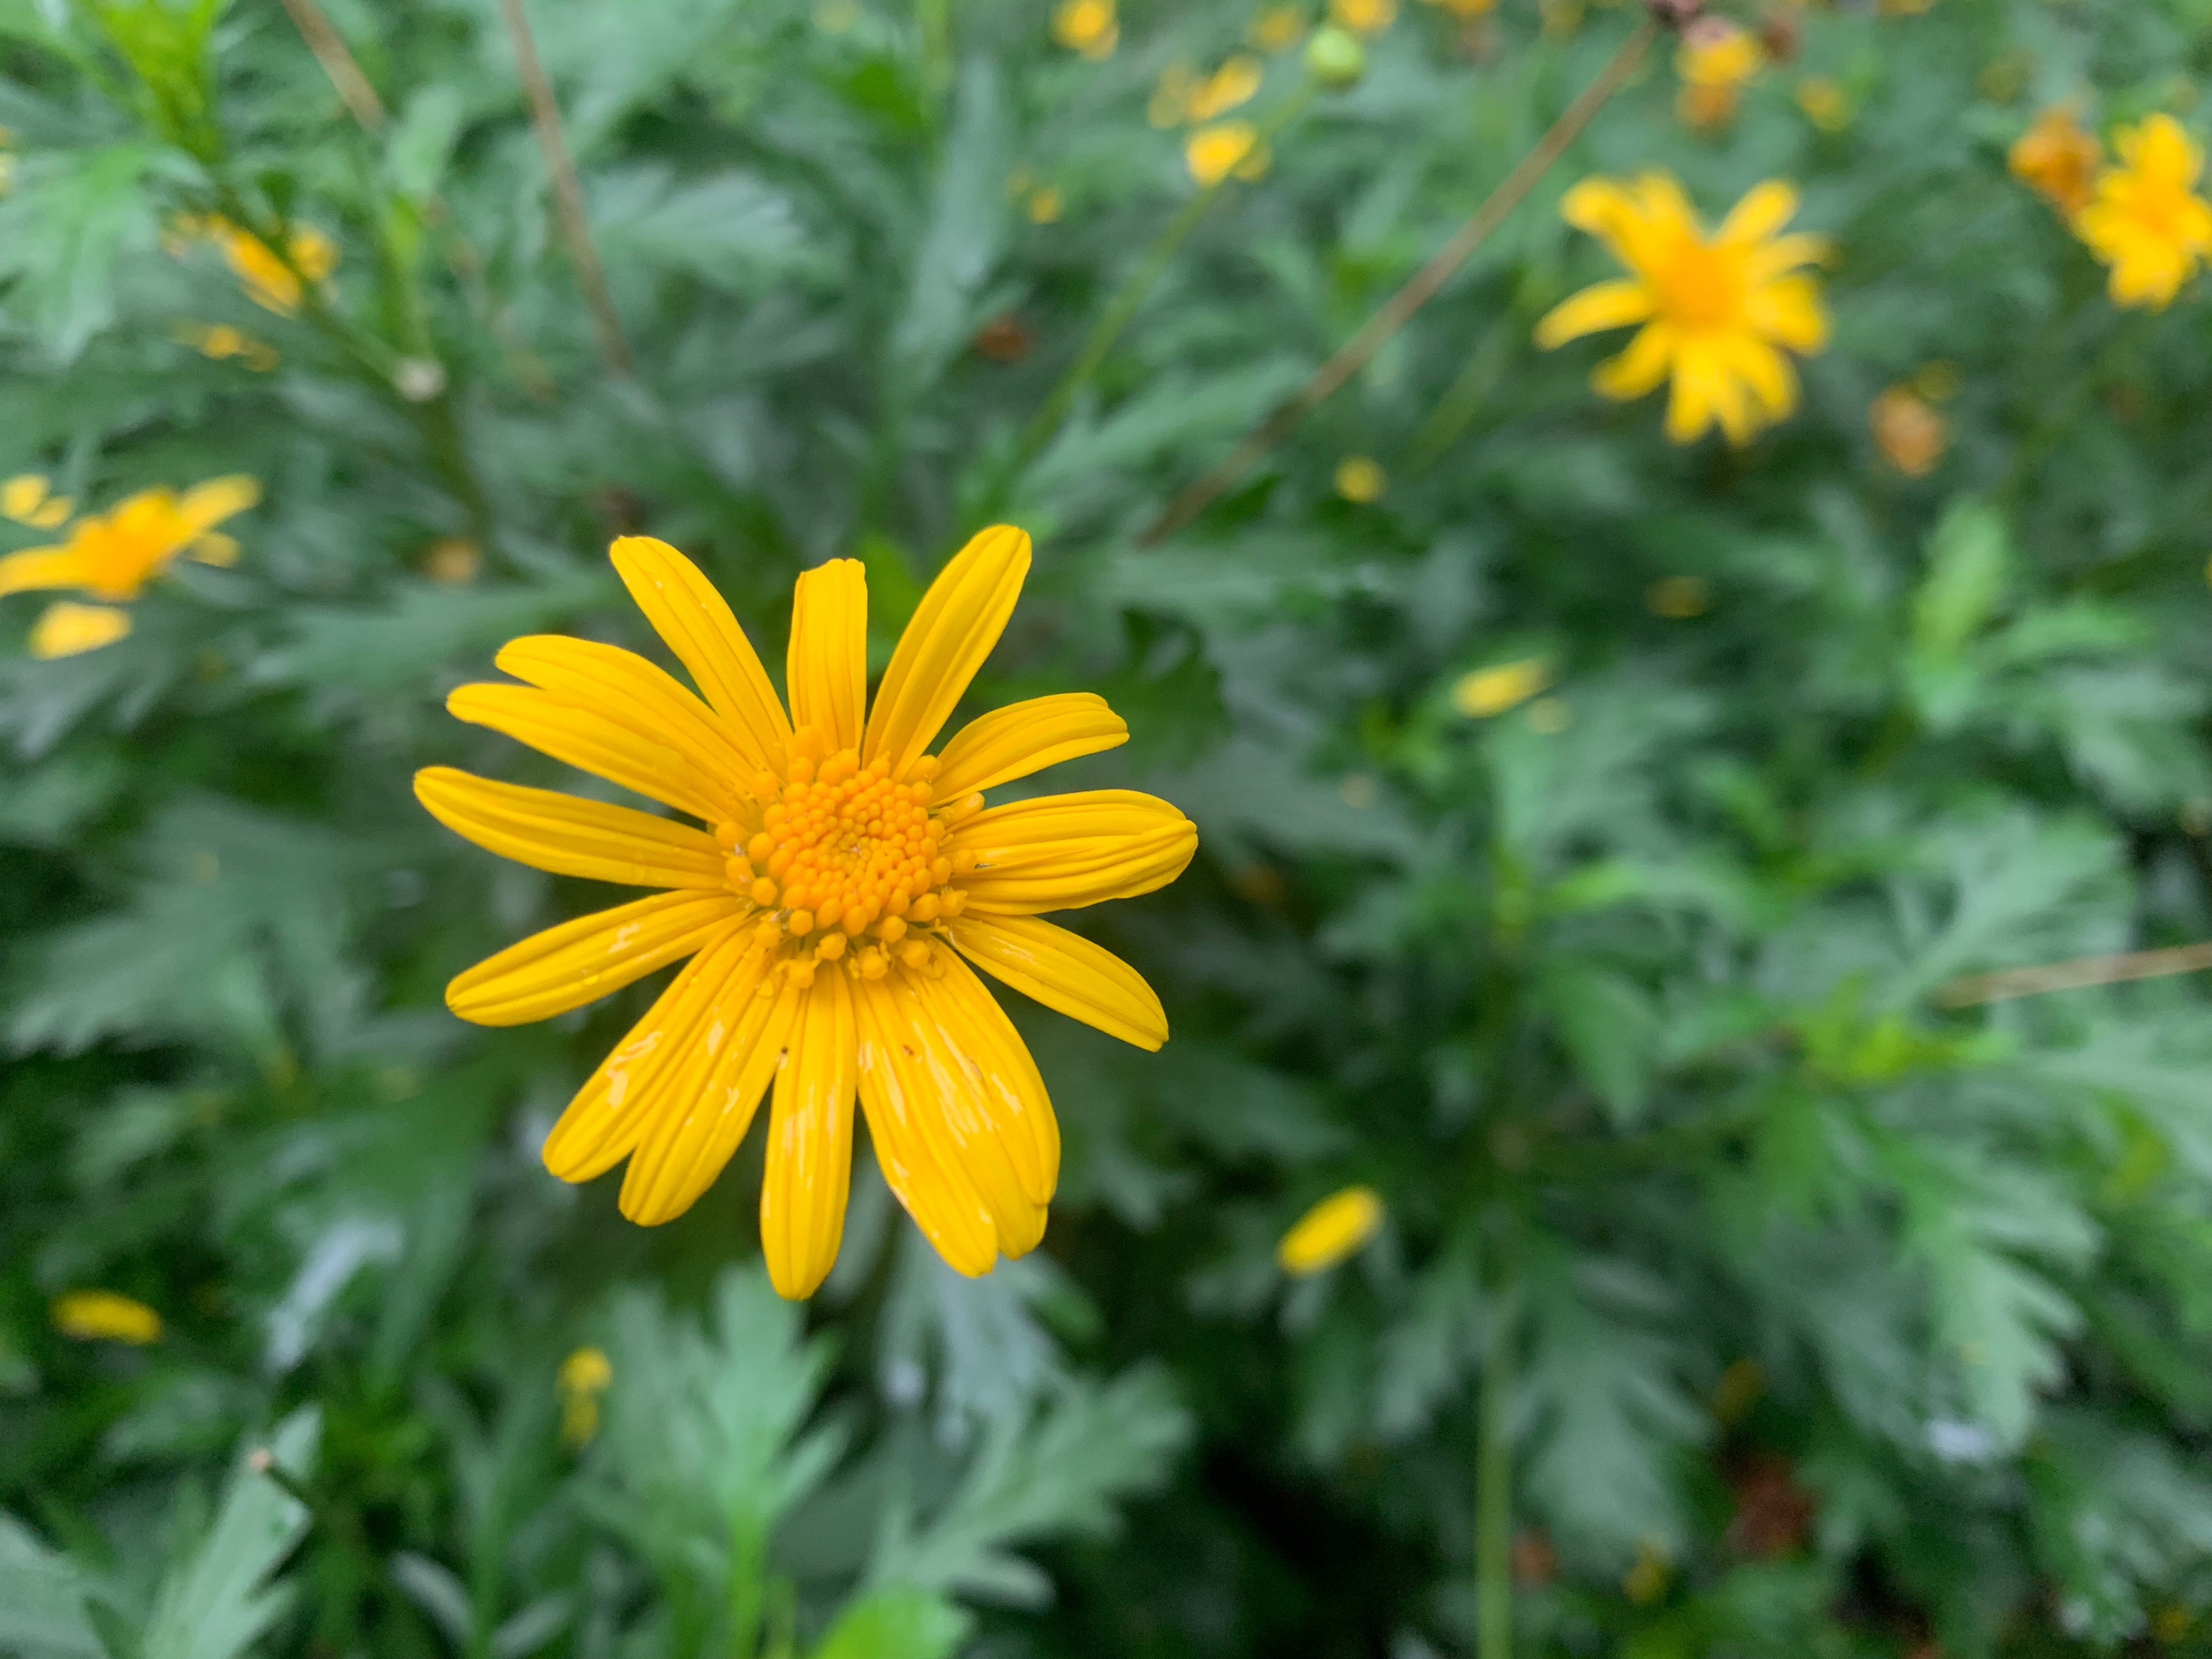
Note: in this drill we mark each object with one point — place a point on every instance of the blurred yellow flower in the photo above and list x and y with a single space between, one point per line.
1277 28
1466 7
1332 1230
66 628
2056 158
269 281
1363 17
1088 26
1824 103
1902 7
1715 309
1361 478
1678 597
1715 60
1213 152
1908 431
220 341
585 1376
106 1316
24 498
1045 204
1230 85
112 555
2147 221
453 559
1487 692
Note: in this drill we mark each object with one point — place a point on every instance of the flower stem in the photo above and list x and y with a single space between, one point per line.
1355 352
1133 292
1493 1495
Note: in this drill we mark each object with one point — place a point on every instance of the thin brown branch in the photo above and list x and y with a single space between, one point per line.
331 52
1975 988
568 194
1355 354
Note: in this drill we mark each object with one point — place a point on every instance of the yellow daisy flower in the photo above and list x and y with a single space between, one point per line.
1368 17
829 909
1213 152
1717 310
2147 221
1715 60
1482 692
29 499
2058 159
111 556
1330 1231
1230 85
583 1375
1088 26
268 282
1908 430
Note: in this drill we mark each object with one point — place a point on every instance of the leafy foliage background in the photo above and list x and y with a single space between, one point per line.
1822 1317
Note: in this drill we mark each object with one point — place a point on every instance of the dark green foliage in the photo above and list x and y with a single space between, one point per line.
1841 1319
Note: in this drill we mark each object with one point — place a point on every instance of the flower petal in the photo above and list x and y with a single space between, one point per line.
589 738
205 506
1763 209
639 694
1011 1091
581 961
826 671
1062 851
954 628
939 1152
569 835
810 1140
1603 305
1066 971
694 1135
1640 368
646 1071
37 567
696 622
1789 312
1023 738
64 629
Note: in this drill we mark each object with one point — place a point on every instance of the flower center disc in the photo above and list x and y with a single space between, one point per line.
843 846
1702 286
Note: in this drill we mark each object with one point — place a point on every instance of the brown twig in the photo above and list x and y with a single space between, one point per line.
568 194
329 48
1355 352
1975 988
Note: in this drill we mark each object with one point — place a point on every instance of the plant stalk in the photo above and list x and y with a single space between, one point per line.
1356 353
1493 1497
567 193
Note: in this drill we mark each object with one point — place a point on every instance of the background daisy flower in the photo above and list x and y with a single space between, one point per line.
1718 310
2058 159
829 909
113 556
2147 221
1715 61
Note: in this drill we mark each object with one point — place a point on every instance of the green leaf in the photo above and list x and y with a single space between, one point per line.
219 1602
42 1597
896 1622
1611 1030
71 221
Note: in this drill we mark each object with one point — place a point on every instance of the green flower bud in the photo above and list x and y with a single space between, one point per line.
1335 59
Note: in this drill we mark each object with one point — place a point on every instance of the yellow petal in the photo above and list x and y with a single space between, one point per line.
205 506
581 961
939 1152
106 1316
51 514
1607 305
1066 971
646 1071
19 496
1690 408
1789 312
954 628
66 628
637 694
1023 738
1330 1231
1011 1091
810 1140
698 1130
1763 209
1787 253
596 742
687 612
1063 852
826 671
36 567
216 549
569 835
1641 368
1767 373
